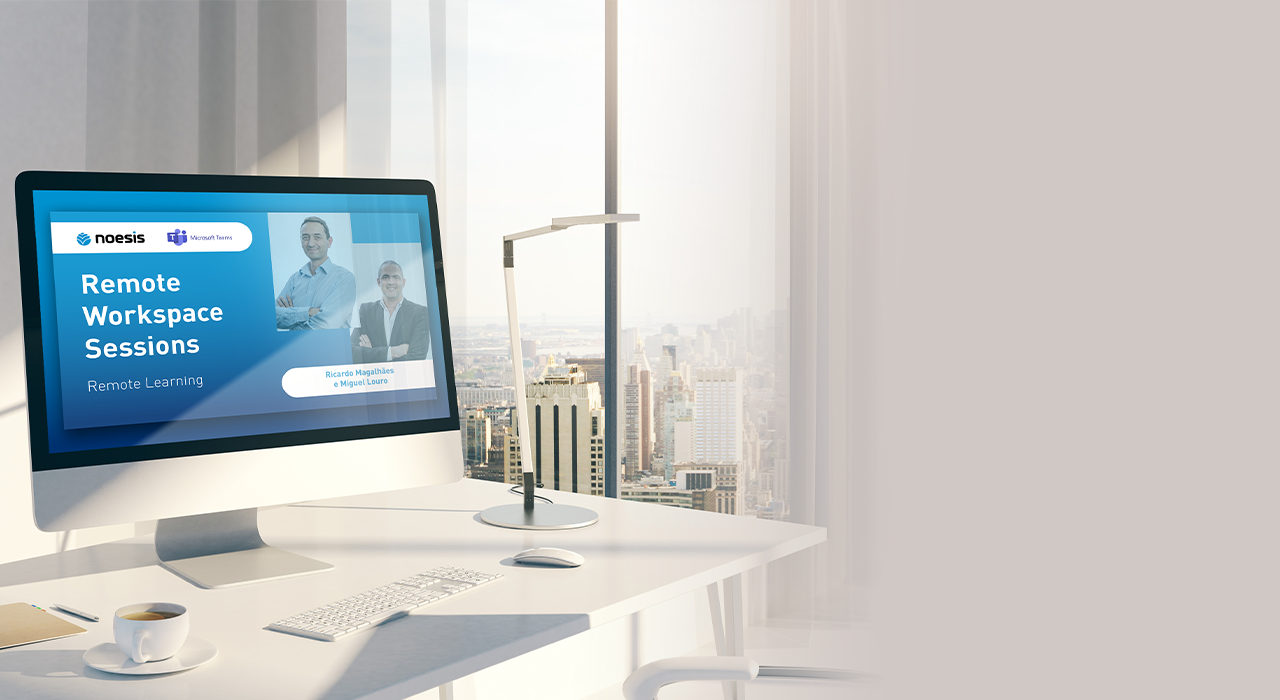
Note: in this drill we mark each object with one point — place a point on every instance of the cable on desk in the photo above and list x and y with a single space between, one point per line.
519 491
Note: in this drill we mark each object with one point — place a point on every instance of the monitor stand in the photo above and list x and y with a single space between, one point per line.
221 550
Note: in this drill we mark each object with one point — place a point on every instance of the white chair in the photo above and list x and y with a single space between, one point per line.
645 682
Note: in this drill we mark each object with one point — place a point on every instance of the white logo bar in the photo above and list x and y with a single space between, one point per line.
334 380
149 237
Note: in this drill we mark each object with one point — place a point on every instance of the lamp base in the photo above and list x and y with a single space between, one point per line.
544 516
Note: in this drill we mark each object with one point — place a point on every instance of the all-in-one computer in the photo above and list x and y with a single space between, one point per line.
199 346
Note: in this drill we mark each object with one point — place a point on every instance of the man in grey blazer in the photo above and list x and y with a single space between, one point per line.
392 329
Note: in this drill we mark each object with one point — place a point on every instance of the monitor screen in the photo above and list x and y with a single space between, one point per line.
170 316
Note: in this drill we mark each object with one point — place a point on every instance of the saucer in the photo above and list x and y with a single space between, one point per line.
108 657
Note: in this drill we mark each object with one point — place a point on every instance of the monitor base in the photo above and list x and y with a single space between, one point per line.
221 550
242 568
543 516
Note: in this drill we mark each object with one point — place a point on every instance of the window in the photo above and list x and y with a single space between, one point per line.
704 296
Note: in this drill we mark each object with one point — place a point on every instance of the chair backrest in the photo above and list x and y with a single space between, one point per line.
644 683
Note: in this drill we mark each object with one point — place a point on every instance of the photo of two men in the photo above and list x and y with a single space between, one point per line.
322 293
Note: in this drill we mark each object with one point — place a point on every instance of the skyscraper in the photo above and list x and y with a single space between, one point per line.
637 449
477 435
630 430
511 466
674 425
669 363
718 429
567 417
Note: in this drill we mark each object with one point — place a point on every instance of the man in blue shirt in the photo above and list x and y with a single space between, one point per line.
321 294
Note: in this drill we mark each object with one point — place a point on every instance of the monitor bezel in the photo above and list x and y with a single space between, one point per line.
29 182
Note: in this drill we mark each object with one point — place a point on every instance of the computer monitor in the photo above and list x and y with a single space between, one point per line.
198 346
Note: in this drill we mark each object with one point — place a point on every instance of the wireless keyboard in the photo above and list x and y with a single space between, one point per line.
367 610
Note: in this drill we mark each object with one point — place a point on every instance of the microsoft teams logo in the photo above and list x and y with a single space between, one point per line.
177 236
83 239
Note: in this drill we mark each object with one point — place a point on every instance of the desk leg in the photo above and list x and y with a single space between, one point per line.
446 691
717 618
735 612
728 627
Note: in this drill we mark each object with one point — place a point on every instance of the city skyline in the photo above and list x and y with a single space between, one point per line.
726 366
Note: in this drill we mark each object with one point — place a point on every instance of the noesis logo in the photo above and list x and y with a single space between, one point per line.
83 239
134 237
177 236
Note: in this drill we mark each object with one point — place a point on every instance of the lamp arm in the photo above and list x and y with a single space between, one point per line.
517 367
513 323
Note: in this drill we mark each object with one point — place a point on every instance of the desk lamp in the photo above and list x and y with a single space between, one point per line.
531 515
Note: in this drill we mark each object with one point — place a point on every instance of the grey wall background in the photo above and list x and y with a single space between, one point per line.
1076 343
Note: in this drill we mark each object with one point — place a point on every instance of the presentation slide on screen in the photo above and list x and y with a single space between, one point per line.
176 317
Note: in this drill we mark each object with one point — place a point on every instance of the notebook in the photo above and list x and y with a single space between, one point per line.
23 623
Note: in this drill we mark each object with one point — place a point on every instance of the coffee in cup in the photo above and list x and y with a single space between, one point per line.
151 631
150 615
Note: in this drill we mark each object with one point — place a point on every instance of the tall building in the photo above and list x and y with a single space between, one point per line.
668 363
630 431
718 429
674 426
477 434
662 382
682 436
637 451
511 466
752 463
567 417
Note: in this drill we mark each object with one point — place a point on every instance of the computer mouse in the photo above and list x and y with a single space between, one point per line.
549 556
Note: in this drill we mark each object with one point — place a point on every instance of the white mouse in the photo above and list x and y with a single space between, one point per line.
549 556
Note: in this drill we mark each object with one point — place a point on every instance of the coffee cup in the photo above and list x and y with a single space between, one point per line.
151 631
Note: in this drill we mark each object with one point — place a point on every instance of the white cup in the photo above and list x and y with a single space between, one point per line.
151 640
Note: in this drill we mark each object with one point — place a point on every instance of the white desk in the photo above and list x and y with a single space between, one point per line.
637 555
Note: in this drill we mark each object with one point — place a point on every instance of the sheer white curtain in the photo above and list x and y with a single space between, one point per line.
824 277
373 89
